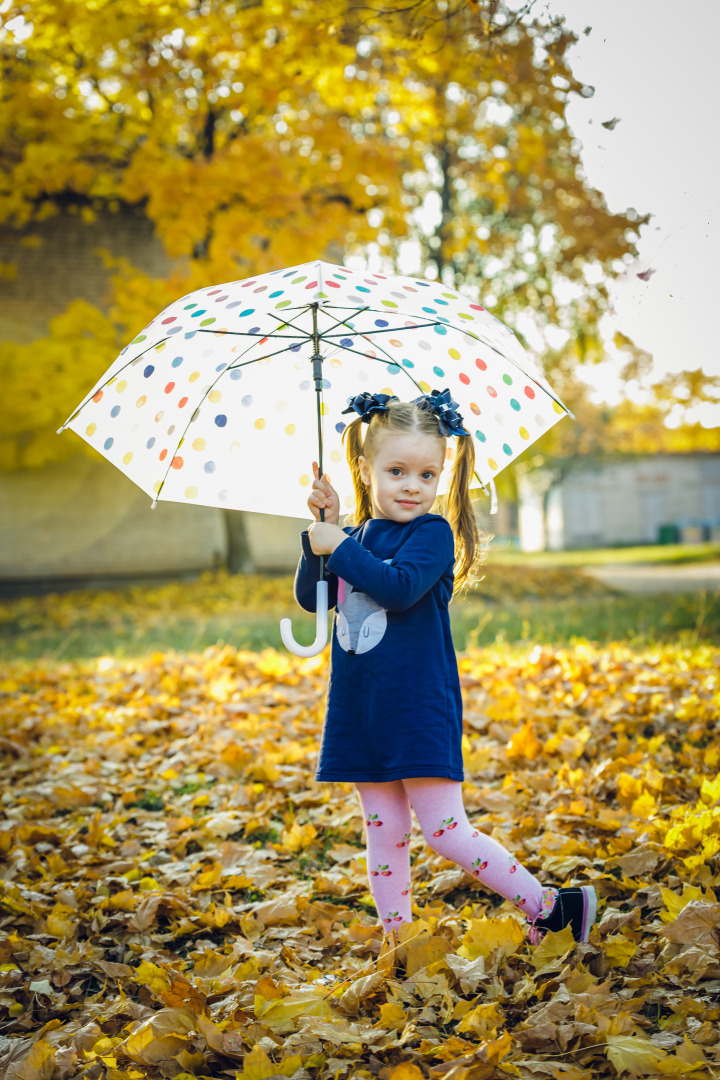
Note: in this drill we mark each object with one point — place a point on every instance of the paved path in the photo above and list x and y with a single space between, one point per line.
654 578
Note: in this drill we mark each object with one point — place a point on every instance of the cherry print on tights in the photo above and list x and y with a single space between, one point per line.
388 825
438 806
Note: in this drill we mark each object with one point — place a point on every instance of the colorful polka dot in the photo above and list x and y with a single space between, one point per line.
290 429
481 436
507 380
182 402
108 443
209 466
514 404
98 396
492 463
507 450
214 396
122 385
169 388
177 463
481 364
221 420
194 377
454 354
163 454
474 408
304 480
91 429
191 493
177 361
524 433
465 379
141 401
128 458
492 391
529 392
259 424
558 408
198 444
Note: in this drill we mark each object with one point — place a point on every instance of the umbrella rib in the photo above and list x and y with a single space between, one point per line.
343 322
247 333
380 360
288 322
230 367
388 330
257 359
102 386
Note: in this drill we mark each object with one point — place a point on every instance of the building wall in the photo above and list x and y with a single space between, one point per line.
82 519
628 502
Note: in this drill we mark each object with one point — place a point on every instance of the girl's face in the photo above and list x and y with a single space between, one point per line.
403 475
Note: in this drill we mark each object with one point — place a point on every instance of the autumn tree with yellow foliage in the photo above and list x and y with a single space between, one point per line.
260 135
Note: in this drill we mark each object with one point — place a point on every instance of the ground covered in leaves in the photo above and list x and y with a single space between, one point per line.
179 898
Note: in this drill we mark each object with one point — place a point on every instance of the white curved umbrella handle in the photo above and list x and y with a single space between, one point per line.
321 628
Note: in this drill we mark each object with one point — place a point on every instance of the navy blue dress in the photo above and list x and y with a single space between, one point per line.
394 708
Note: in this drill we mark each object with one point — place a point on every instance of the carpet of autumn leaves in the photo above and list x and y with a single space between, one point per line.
179 898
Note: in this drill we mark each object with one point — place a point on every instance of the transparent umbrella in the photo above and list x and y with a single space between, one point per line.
236 382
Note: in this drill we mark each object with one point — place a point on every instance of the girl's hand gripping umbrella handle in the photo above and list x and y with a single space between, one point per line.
321 627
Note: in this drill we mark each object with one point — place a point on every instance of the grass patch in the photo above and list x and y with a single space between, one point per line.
650 553
511 604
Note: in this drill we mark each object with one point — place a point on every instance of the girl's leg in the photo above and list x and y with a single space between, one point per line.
438 806
386 812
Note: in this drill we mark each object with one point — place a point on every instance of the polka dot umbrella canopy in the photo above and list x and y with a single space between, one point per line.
222 399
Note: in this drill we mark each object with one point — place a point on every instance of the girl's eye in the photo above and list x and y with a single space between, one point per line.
395 471
428 475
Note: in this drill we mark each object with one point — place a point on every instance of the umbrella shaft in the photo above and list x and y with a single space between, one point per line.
317 376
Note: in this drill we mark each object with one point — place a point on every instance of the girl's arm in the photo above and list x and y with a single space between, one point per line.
424 557
307 576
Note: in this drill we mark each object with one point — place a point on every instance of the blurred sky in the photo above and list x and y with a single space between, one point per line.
654 65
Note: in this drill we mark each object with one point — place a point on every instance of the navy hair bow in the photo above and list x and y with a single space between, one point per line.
366 405
444 408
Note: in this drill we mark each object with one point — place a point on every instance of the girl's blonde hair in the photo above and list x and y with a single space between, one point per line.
405 416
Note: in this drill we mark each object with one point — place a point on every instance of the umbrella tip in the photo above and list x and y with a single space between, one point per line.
153 504
60 430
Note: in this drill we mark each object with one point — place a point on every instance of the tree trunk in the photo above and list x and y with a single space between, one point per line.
239 558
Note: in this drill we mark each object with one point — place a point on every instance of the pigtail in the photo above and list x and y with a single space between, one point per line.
363 505
460 514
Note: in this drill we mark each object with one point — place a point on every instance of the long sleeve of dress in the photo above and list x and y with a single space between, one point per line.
417 565
307 576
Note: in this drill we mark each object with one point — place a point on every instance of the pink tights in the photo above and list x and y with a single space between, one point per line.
438 806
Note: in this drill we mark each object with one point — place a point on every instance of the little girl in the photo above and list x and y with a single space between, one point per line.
393 722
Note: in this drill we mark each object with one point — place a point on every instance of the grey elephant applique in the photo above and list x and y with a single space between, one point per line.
360 623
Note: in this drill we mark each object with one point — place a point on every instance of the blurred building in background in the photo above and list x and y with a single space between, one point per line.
666 498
